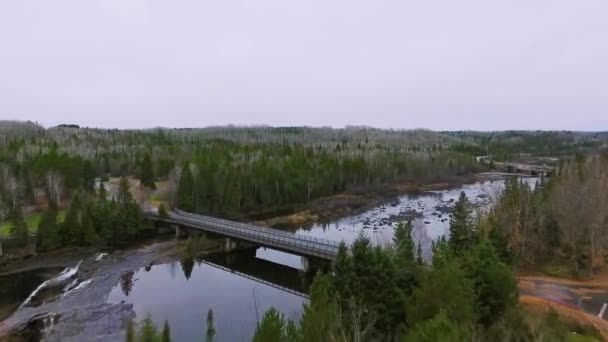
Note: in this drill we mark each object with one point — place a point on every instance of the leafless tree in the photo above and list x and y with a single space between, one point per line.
54 187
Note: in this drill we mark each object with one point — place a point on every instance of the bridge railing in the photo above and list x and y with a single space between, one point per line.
263 229
260 235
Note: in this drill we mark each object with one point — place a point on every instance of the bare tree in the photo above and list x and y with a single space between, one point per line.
54 187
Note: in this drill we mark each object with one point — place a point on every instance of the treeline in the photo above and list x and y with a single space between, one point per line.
508 145
64 159
562 221
466 293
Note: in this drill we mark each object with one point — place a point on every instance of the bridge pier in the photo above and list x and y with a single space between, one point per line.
229 244
179 231
305 264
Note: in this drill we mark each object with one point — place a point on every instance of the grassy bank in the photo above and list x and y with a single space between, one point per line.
32 222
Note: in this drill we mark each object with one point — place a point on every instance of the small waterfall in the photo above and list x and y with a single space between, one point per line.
48 322
100 256
71 288
64 275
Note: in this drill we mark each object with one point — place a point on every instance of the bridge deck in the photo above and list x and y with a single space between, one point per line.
269 237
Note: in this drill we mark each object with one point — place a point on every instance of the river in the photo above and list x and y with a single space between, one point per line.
240 286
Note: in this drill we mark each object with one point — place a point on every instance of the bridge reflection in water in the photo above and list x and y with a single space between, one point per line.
244 263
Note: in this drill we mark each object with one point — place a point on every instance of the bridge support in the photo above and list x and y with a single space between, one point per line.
179 231
305 264
229 244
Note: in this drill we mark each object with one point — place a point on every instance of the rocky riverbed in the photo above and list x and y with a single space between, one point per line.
78 307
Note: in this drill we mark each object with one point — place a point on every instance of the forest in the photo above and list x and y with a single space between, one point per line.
85 187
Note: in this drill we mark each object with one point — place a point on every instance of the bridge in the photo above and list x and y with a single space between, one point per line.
530 169
305 246
283 283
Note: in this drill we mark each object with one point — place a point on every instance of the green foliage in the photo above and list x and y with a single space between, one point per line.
162 211
18 227
438 328
320 320
185 194
444 286
165 336
273 328
48 237
493 281
146 172
147 331
462 234
403 242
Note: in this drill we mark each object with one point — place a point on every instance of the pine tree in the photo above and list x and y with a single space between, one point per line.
320 319
185 195
88 176
162 211
493 280
103 193
419 258
403 242
88 235
18 225
71 227
166 333
146 175
439 328
147 331
48 237
271 328
461 232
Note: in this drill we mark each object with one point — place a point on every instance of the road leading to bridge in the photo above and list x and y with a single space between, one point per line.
303 245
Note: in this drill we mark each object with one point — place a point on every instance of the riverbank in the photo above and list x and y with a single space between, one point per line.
83 312
360 199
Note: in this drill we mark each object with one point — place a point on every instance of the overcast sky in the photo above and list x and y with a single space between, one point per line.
466 64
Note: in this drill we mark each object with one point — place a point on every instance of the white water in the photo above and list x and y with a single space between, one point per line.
65 274
100 256
78 287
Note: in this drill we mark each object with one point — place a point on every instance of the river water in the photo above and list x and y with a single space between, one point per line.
240 287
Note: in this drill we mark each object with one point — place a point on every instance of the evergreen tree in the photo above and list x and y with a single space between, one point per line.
493 281
185 190
271 328
103 193
146 175
88 176
166 333
461 232
19 226
438 328
162 211
88 235
48 237
129 219
210 334
444 286
419 258
403 242
71 228
320 320
147 330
